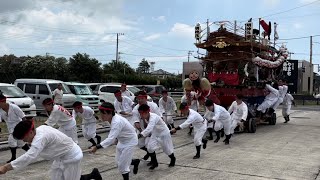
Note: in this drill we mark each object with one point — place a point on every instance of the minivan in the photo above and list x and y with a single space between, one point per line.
40 89
16 96
84 94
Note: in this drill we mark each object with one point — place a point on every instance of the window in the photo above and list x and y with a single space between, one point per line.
30 89
43 89
71 87
109 89
20 85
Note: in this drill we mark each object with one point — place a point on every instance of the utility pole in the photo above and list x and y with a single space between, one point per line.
189 53
235 27
311 68
117 50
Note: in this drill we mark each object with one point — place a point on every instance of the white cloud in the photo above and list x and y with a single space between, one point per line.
271 3
182 30
46 42
297 25
4 49
18 31
159 19
152 37
306 1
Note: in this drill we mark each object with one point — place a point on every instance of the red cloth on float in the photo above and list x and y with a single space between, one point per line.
227 78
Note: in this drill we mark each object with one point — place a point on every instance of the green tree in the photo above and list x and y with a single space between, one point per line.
119 67
84 69
143 67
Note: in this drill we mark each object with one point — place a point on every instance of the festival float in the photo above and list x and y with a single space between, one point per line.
239 60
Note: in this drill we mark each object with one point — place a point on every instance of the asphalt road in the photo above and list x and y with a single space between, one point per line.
284 151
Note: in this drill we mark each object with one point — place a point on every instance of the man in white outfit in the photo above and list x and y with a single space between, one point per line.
122 132
50 144
270 99
190 97
59 115
200 127
124 90
123 106
167 107
239 113
160 135
140 124
12 115
288 100
221 118
57 95
89 122
283 88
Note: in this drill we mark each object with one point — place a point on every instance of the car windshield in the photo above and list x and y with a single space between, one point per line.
12 92
133 89
65 89
82 90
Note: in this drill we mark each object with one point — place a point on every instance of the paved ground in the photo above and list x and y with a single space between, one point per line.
284 151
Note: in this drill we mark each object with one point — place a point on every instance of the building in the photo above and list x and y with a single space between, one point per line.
161 74
304 78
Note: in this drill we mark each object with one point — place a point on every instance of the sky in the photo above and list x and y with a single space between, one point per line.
159 31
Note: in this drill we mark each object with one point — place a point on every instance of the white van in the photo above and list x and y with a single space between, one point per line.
84 94
16 96
40 89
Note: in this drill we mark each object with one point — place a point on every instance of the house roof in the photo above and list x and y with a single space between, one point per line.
160 72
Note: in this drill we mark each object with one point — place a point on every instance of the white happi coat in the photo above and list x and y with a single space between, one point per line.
127 138
12 118
269 100
191 100
282 92
51 144
136 115
199 124
125 106
221 118
160 134
125 93
58 94
238 113
286 105
167 108
67 124
89 125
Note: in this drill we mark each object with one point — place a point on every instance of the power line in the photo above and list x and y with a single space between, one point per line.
143 55
303 37
298 7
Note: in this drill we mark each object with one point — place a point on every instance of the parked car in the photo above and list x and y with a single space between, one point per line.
106 92
154 91
40 89
16 96
84 94
95 87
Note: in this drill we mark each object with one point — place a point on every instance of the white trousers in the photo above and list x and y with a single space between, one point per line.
143 142
225 124
168 119
164 141
265 105
198 135
276 105
15 143
70 133
89 130
234 124
68 169
124 158
286 110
